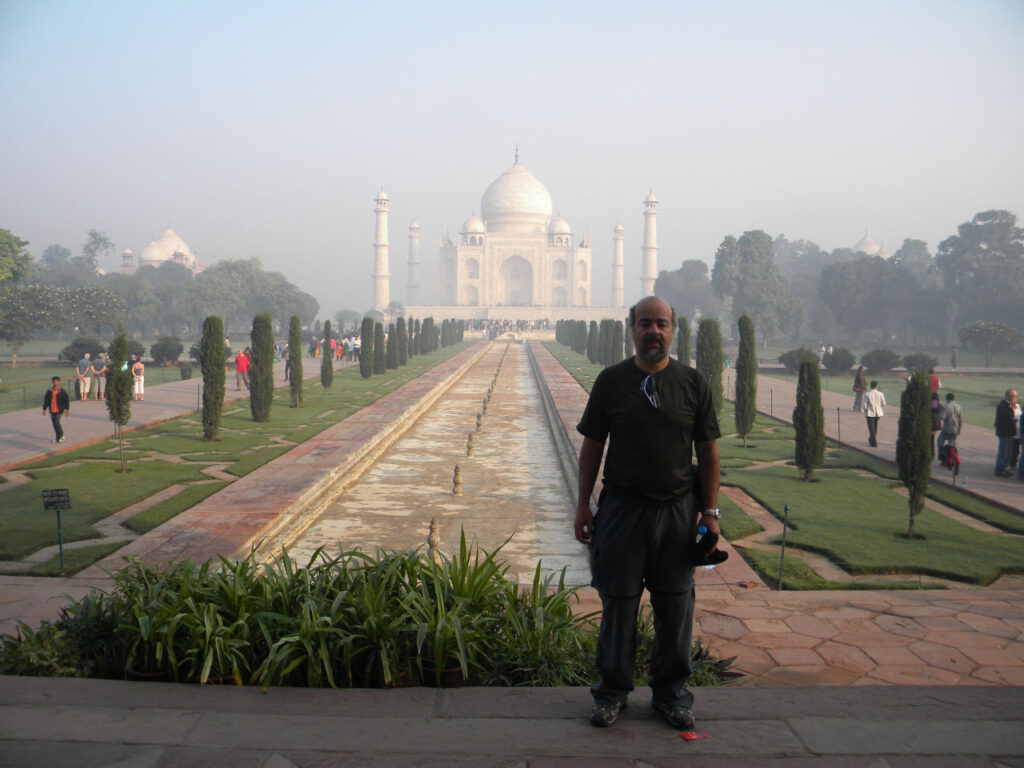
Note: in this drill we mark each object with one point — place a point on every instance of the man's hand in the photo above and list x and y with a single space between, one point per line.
583 525
711 523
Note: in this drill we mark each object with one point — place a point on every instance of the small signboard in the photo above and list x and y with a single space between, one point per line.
56 499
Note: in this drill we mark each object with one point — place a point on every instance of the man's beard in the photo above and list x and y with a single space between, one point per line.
652 354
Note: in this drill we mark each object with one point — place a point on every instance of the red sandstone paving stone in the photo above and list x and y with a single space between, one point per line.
1016 647
795 657
963 640
918 611
766 625
948 623
921 675
845 657
779 640
888 656
992 657
747 611
723 626
988 625
943 657
844 612
867 635
900 625
809 675
1000 675
811 626
998 610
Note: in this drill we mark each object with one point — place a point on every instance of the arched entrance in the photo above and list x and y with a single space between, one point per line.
516 289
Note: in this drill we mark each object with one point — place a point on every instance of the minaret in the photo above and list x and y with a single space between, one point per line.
650 247
617 298
413 289
381 275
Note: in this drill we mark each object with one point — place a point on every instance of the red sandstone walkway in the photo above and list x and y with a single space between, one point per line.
942 637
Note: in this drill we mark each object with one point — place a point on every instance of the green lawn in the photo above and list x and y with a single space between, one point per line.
859 522
98 488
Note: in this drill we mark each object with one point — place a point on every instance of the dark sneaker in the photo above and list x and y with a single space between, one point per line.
679 717
605 713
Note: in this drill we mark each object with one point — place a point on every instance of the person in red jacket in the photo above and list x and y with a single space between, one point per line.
241 370
57 403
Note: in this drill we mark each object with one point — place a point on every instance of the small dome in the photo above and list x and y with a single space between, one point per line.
618 227
866 245
651 198
153 254
559 226
414 227
382 195
474 226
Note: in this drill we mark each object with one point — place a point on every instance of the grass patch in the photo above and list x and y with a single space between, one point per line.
797 575
159 513
75 560
98 488
735 523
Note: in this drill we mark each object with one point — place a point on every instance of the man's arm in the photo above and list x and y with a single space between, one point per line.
707 462
590 465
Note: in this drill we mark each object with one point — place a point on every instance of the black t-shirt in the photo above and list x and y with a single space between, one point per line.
650 453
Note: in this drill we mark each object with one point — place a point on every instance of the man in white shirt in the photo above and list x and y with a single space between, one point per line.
874 401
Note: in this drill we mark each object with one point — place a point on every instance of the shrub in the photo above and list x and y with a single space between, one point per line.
212 362
261 372
186 370
709 357
839 362
295 360
74 351
792 359
919 361
380 360
880 362
166 351
327 360
366 350
809 420
913 444
746 379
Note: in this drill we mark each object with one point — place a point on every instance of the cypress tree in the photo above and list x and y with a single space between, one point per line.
327 360
366 350
380 363
212 362
593 341
616 342
261 374
746 379
119 388
391 357
403 342
628 349
809 419
683 340
913 443
295 360
709 357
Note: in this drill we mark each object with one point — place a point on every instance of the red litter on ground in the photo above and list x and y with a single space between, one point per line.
694 736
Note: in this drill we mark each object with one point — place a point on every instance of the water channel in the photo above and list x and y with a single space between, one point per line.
512 485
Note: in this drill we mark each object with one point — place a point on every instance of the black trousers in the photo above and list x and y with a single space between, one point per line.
872 430
58 430
636 546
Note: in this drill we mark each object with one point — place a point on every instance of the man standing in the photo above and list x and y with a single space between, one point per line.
952 422
99 373
656 412
1006 431
241 370
860 383
84 377
56 403
874 401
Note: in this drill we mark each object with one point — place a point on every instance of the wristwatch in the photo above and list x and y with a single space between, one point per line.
713 513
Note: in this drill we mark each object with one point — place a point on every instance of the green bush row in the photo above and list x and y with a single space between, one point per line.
353 620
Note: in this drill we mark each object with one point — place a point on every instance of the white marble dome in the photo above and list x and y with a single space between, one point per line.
474 226
867 245
516 202
169 247
559 226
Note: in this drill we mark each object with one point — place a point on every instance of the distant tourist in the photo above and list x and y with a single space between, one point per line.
241 370
56 403
934 385
937 412
952 357
99 374
138 378
874 402
952 422
1006 431
84 376
860 383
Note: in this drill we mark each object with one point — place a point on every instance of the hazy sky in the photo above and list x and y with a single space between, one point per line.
266 129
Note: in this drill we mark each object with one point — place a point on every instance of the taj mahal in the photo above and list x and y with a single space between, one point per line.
515 261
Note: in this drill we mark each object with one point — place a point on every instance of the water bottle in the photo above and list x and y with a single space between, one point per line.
701 530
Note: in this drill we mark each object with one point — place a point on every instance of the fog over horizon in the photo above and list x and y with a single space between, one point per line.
265 130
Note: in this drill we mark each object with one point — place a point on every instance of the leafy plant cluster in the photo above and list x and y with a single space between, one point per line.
353 620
